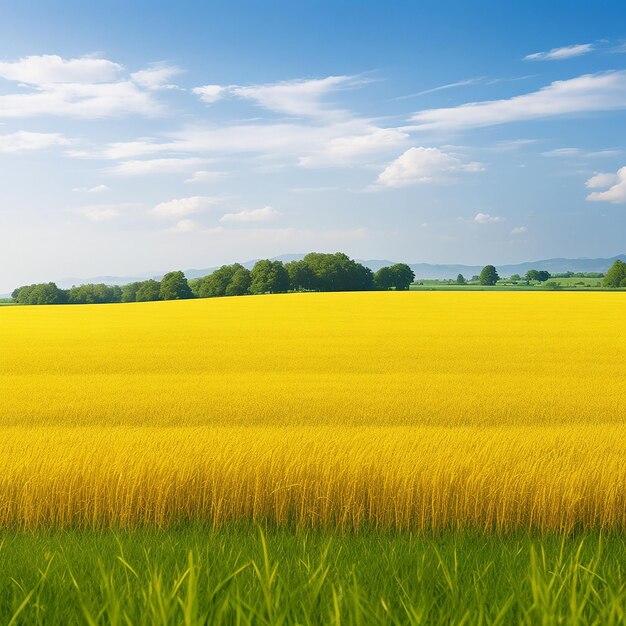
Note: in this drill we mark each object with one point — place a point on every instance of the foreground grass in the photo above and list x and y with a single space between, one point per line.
239 575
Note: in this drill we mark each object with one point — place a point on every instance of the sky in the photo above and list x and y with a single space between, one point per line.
142 137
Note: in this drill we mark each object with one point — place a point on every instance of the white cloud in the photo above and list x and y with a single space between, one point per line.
265 214
205 176
579 153
157 76
422 166
96 189
86 87
210 93
591 92
616 183
294 97
154 166
105 212
558 54
185 226
180 207
519 230
299 97
24 141
49 69
485 218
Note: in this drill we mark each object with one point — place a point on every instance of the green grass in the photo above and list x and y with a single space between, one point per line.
237 575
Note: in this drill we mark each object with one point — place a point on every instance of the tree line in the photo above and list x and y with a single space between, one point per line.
315 272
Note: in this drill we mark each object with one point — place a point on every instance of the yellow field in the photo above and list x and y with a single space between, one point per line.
409 410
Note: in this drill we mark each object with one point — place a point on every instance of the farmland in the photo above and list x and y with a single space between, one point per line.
435 428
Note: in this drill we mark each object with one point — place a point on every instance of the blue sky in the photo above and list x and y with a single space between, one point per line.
168 135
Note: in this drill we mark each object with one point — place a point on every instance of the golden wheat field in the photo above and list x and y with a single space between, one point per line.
414 410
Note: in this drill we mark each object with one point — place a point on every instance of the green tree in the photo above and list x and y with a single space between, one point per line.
174 286
269 277
403 276
460 280
488 275
129 292
40 293
539 275
338 272
239 284
98 293
301 276
148 290
383 278
515 278
615 275
216 283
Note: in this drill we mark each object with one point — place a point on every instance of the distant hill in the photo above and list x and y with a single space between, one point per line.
422 270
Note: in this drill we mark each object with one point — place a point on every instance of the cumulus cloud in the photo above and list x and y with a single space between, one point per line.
157 76
519 230
180 207
210 93
558 54
614 184
592 92
24 141
46 69
85 87
423 166
265 214
185 226
105 212
485 218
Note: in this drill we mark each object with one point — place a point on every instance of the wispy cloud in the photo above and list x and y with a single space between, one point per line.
519 230
180 207
24 141
590 92
95 189
154 166
299 97
578 153
264 214
559 54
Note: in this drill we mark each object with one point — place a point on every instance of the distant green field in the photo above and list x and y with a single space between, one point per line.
566 284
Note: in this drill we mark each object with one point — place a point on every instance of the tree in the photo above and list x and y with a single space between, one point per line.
383 278
488 275
174 286
148 290
515 278
338 272
40 293
460 280
129 292
301 276
539 275
403 276
269 277
239 284
615 275
98 293
398 276
216 284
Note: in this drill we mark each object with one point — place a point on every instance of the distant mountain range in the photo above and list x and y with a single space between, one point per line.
422 270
